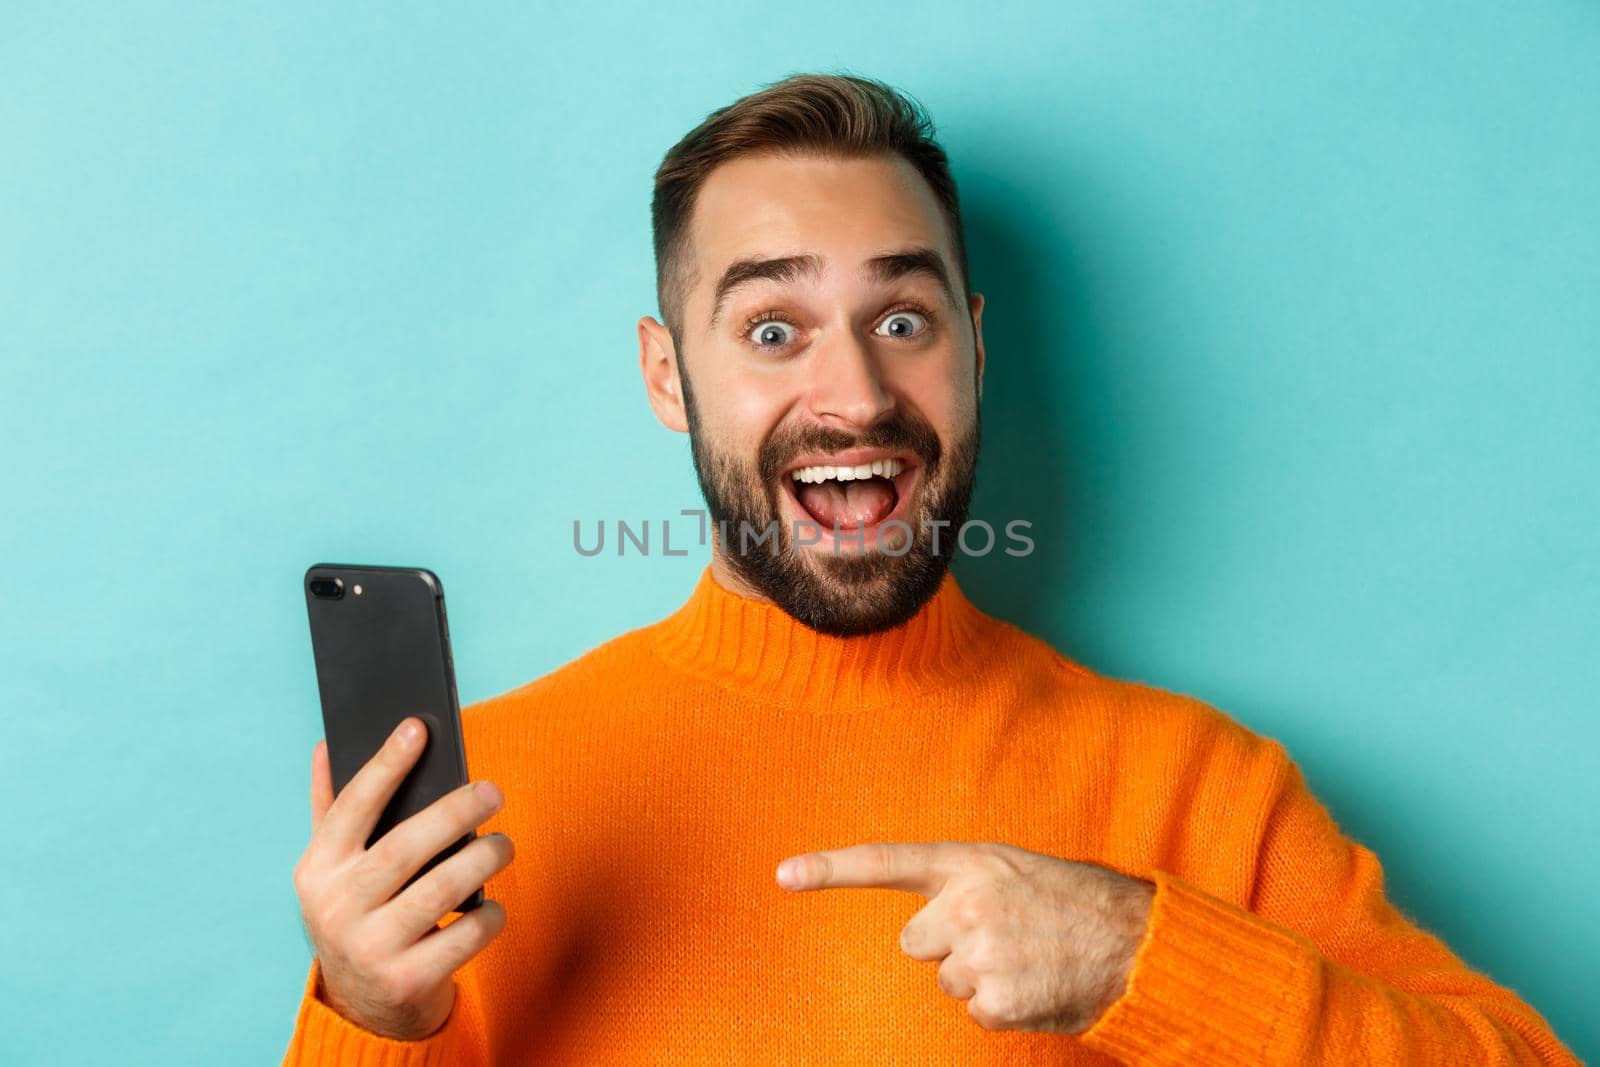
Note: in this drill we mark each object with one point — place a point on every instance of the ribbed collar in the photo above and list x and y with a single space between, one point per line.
755 646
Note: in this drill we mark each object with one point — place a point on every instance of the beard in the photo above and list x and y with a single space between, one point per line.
833 593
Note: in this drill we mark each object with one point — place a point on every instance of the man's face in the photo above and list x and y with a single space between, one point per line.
833 395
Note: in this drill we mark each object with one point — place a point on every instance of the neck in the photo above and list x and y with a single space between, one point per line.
725 575
748 643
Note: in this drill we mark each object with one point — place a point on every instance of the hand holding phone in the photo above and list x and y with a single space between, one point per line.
393 812
385 964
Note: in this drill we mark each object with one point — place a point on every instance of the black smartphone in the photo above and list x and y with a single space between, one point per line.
382 647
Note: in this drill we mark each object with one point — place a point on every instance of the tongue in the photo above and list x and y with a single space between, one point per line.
863 502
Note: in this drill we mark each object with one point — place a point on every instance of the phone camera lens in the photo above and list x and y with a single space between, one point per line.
327 588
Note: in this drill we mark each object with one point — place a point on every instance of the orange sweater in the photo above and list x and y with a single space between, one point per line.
653 785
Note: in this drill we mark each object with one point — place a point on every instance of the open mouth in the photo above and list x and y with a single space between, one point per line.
854 492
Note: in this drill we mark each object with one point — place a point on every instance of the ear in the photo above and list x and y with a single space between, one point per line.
977 336
658 364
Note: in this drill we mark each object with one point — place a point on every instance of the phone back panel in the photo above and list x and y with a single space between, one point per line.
381 655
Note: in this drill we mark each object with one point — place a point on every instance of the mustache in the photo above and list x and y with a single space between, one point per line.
900 430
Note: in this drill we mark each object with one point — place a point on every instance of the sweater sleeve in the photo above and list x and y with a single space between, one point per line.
1321 968
323 1038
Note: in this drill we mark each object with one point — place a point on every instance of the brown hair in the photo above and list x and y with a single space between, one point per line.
841 115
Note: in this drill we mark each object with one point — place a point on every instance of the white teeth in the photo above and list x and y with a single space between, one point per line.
878 468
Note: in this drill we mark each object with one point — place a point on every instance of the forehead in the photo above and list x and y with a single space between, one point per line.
844 210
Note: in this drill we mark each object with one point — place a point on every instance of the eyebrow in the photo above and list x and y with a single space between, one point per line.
888 267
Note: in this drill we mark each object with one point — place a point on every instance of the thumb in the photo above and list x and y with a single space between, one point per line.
321 784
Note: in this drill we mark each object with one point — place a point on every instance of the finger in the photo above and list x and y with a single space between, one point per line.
928 936
442 952
956 979
321 784
349 821
401 852
921 867
436 894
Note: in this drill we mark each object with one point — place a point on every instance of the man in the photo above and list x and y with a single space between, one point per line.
991 853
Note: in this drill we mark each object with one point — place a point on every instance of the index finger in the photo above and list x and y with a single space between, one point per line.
350 820
921 867
321 784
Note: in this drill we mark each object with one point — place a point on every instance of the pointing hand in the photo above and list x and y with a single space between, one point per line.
1031 942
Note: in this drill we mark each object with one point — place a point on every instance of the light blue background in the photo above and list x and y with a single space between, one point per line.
1294 361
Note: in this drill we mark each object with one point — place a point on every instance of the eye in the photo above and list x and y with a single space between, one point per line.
771 333
904 323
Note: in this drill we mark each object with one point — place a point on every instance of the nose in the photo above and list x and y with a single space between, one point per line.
847 389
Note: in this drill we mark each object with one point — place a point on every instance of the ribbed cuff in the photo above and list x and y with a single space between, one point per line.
1211 983
323 1036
